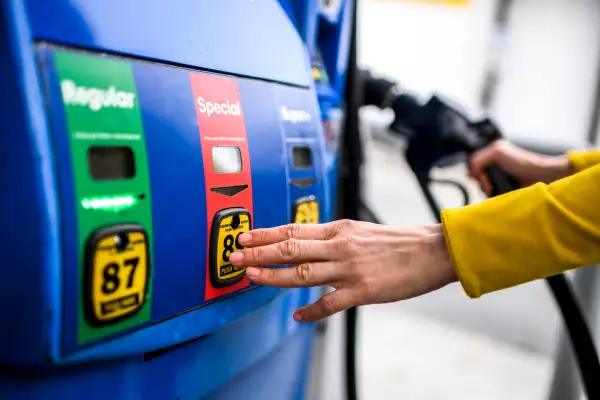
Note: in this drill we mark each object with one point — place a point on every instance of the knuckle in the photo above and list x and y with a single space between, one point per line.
292 230
331 229
261 234
327 305
269 274
498 148
344 243
304 272
288 249
254 254
343 225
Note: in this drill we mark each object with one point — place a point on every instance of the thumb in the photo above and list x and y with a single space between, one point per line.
484 183
483 158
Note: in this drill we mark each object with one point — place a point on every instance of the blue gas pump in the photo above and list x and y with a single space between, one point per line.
325 27
139 140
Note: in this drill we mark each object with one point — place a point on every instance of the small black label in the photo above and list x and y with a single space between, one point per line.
121 303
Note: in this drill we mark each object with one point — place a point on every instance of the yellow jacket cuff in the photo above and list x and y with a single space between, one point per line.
583 159
525 235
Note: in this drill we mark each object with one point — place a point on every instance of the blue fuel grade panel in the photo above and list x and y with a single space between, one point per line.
177 111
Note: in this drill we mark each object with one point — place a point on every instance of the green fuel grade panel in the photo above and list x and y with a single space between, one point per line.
112 193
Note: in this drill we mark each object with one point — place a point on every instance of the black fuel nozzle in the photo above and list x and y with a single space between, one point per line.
440 134
437 130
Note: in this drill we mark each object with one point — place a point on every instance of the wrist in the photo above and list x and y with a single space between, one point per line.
437 247
555 167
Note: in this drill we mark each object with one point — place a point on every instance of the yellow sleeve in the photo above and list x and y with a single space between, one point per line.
527 234
583 159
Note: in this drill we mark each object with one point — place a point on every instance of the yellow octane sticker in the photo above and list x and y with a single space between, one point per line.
316 74
119 277
228 243
307 213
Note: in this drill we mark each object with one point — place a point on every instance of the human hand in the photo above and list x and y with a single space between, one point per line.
525 166
366 263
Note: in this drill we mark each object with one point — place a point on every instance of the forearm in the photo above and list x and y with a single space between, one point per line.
525 235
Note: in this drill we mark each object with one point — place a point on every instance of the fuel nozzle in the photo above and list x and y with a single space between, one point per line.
438 132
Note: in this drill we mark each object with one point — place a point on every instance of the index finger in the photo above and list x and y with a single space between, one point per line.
289 251
265 236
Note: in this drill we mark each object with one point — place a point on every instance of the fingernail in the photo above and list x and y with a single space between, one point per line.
245 238
252 272
298 317
236 257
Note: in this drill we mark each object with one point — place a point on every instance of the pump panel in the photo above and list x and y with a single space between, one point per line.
160 169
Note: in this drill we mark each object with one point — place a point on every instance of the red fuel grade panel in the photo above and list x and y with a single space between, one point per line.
228 178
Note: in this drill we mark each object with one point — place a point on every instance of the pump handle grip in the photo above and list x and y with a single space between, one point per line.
501 182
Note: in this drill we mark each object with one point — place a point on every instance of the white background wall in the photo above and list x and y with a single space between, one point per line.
551 56
427 47
550 68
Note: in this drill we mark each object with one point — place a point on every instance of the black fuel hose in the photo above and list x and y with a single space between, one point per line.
580 336
349 193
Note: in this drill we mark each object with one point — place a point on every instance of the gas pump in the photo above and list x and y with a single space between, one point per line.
140 139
